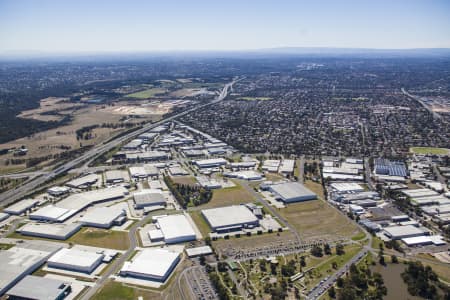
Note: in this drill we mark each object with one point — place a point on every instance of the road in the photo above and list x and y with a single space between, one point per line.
301 169
21 191
368 174
435 114
116 264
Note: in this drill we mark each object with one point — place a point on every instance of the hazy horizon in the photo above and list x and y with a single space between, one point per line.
135 26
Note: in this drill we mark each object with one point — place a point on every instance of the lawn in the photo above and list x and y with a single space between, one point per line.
115 290
189 180
229 196
429 150
316 219
149 93
101 238
200 222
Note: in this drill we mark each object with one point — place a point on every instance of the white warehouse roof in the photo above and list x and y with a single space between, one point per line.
102 216
292 192
229 216
74 259
176 228
399 232
21 206
153 264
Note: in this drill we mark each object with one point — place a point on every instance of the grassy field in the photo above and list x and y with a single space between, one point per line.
200 222
118 291
316 188
145 94
316 219
229 196
101 238
429 150
189 180
255 98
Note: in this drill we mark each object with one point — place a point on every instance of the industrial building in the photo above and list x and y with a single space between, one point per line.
21 207
401 232
230 218
245 175
58 191
3 216
198 251
75 260
50 231
151 264
83 182
387 167
114 176
104 217
19 261
289 192
71 205
138 172
344 187
417 193
287 166
172 229
39 288
211 163
271 165
149 197
424 240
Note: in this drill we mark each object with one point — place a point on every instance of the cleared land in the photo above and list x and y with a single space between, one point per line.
118 291
145 94
229 196
429 150
101 238
316 219
189 180
200 222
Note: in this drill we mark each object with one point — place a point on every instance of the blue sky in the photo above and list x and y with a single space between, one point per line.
101 25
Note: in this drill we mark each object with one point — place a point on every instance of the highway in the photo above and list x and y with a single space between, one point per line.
435 114
21 191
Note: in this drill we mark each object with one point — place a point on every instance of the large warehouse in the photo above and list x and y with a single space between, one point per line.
230 218
401 232
35 287
75 260
22 260
173 229
289 192
69 206
151 264
50 231
149 197
104 217
21 206
211 163
83 182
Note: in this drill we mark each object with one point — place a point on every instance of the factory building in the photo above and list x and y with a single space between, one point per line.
50 231
75 260
387 167
401 232
271 165
114 176
211 163
287 166
198 251
149 197
19 261
69 206
344 187
83 182
230 218
151 264
104 217
245 175
3 216
172 229
289 192
58 191
39 288
21 207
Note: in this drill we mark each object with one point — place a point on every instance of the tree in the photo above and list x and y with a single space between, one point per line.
302 261
394 259
332 292
340 282
340 249
327 249
316 251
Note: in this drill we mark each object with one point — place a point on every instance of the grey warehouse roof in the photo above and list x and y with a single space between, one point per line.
229 216
35 287
291 190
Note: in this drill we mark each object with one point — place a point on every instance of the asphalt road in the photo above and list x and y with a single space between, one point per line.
21 191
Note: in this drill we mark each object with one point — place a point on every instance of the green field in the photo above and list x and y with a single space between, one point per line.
255 98
229 196
114 290
150 93
429 150
101 238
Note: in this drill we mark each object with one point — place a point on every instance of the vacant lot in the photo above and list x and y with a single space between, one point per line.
189 180
149 93
316 219
429 150
200 222
229 196
115 290
101 238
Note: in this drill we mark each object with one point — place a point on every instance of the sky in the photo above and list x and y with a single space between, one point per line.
159 25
